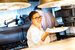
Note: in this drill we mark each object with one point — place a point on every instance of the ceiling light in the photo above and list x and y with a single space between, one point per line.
55 3
8 4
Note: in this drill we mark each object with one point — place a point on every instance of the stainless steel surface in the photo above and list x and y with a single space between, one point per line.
67 44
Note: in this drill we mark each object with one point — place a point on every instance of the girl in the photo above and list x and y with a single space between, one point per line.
36 35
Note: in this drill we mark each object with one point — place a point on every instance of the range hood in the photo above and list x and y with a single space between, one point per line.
13 4
55 3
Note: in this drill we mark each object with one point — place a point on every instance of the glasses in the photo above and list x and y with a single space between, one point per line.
37 17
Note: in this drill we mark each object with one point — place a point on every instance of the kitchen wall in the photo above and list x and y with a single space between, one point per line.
28 9
7 15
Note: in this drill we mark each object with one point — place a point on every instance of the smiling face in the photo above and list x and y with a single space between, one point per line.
36 19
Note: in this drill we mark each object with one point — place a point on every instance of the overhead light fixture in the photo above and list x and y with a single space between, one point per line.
55 3
13 4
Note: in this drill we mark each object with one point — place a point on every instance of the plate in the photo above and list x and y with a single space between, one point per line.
55 30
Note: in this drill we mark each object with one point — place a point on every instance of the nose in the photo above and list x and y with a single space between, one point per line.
40 19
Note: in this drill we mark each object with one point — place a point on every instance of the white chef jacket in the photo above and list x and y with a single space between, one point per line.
34 36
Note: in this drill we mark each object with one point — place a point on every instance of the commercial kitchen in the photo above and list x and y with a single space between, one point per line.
14 24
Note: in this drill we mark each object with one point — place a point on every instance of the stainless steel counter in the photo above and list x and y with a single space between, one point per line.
67 44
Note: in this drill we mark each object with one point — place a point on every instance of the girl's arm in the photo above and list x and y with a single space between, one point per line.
45 35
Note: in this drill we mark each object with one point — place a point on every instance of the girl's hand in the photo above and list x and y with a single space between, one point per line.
45 35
